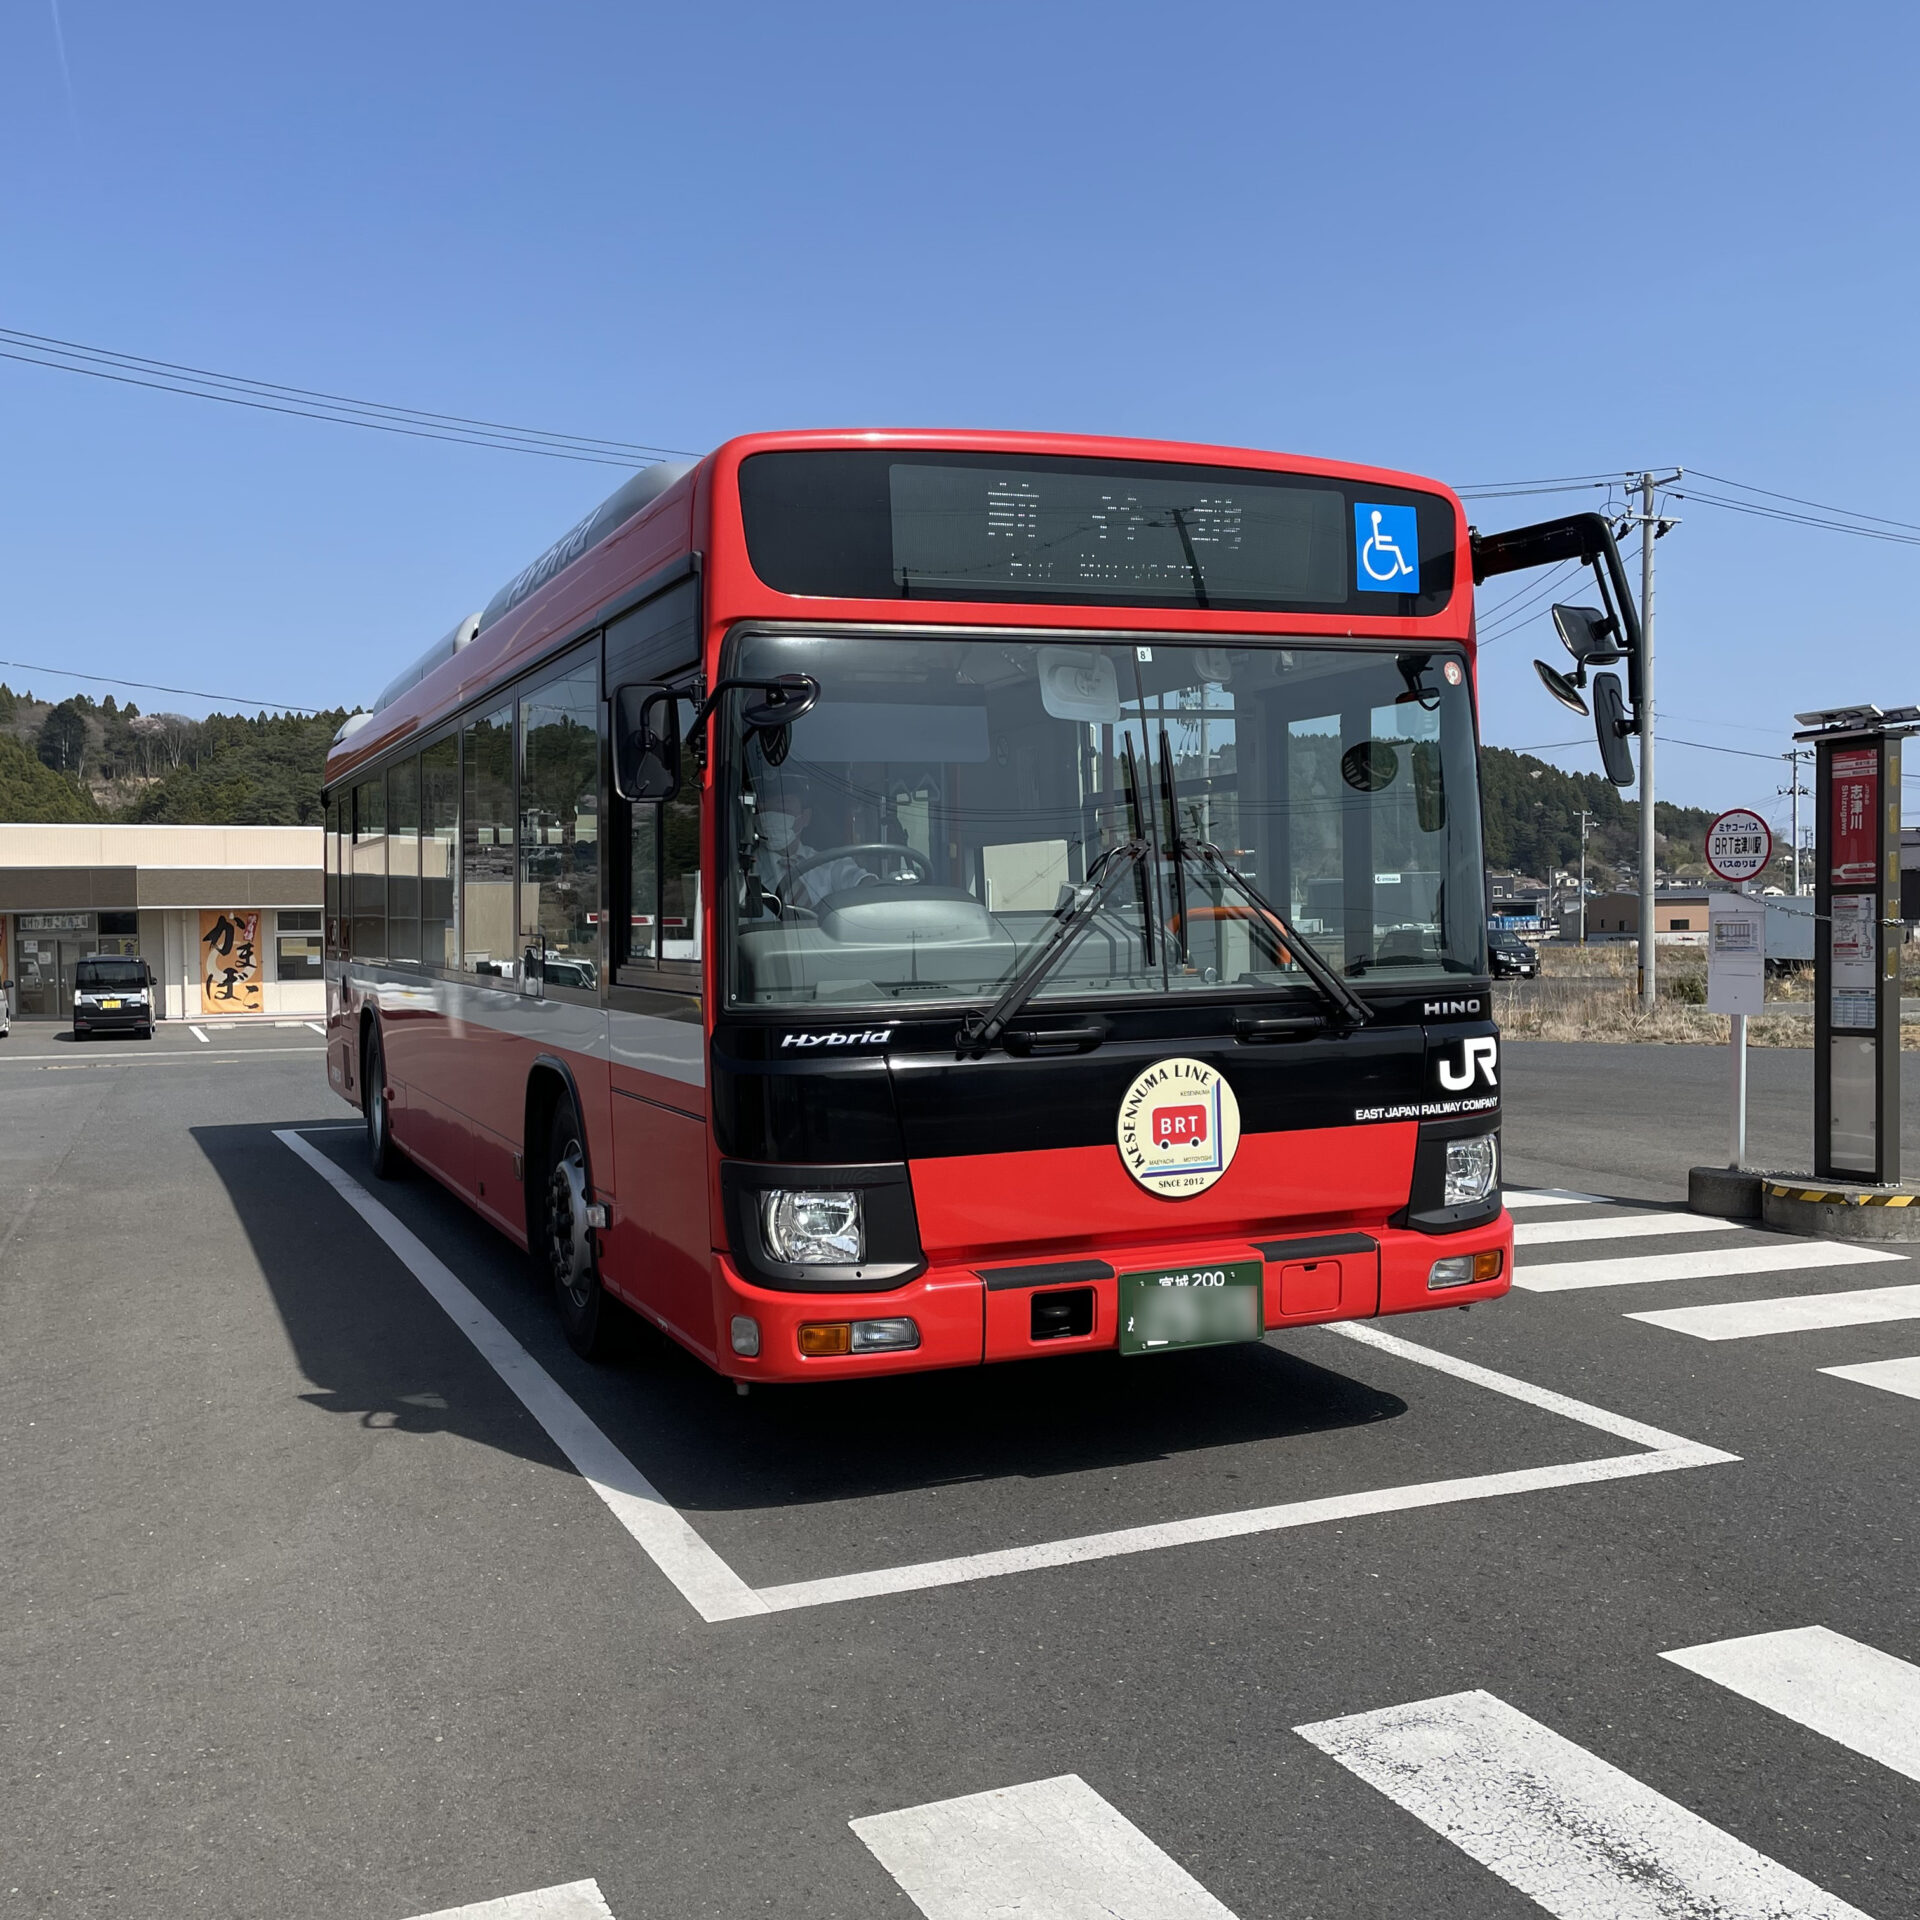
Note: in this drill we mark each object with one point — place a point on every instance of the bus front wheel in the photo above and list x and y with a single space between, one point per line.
566 1244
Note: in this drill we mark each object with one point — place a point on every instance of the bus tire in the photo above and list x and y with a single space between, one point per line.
566 1248
382 1155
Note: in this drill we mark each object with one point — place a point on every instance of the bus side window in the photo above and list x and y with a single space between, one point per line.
680 863
486 851
336 943
560 754
368 878
654 883
439 851
403 861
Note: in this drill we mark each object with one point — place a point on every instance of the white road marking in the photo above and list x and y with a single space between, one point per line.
716 1592
316 1027
1796 1313
1896 1376
1710 1263
1626 1226
1671 1454
1049 1850
62 1063
710 1586
1521 1198
1585 1840
1854 1694
578 1900
200 1036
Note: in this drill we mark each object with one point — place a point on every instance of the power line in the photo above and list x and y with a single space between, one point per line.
264 396
149 686
1741 486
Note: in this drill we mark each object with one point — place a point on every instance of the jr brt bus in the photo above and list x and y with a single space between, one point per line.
876 901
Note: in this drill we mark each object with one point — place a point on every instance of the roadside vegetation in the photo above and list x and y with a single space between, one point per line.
1591 993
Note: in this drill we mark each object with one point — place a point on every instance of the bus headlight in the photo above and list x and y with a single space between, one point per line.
806 1229
1471 1166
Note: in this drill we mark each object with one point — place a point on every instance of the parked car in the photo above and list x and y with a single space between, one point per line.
1511 957
112 995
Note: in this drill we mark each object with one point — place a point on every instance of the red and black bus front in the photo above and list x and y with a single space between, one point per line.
1085 986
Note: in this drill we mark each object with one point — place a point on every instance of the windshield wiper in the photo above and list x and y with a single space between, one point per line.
1312 965
981 1031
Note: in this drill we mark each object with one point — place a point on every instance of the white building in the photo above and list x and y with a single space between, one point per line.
228 918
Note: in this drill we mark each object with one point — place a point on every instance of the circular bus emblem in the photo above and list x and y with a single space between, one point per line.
1179 1128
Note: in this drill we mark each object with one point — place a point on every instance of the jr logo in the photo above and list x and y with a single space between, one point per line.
1479 1059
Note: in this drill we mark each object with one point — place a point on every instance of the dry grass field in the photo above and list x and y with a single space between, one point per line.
1588 993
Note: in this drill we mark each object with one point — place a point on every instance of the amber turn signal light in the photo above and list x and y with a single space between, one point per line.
822 1337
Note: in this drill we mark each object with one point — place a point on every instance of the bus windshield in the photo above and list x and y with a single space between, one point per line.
915 836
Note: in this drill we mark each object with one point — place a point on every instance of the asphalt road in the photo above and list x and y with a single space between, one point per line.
304 1613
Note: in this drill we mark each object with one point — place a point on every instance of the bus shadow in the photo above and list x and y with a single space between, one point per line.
1019 1420
380 1351
374 1346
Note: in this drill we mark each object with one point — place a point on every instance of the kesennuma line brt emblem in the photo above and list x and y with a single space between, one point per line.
840 894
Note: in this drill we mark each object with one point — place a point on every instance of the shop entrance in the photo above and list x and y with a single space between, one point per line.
44 984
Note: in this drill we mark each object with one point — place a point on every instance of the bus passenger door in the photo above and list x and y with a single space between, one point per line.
662 1245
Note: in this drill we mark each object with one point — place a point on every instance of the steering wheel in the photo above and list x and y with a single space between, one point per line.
813 860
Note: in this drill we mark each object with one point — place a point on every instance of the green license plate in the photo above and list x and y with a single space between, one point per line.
1204 1305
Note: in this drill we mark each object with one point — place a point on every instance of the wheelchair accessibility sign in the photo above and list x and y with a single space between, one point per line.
1386 544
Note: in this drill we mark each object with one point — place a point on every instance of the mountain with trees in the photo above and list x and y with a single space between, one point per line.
1531 815
78 759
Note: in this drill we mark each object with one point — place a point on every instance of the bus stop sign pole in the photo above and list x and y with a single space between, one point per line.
1856 951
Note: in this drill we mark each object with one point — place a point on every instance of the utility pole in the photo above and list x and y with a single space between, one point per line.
1586 826
1793 757
1651 528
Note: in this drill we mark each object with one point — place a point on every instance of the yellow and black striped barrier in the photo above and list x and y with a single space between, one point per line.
1829 1197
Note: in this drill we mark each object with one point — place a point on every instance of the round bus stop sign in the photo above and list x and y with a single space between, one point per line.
1739 845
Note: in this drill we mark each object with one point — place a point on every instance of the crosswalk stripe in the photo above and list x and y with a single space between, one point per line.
1866 1700
1518 1199
1628 1226
1049 1850
578 1900
1795 1313
1711 1263
1896 1376
1571 1831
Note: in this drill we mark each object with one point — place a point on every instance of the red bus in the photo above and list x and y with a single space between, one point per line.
876 901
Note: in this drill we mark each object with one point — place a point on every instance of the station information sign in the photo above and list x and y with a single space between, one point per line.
1739 845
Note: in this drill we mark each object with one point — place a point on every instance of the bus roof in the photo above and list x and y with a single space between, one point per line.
664 514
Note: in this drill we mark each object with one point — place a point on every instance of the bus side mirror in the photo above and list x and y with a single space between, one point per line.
1611 728
646 742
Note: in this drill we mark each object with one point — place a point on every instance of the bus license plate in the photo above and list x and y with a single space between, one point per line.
1199 1306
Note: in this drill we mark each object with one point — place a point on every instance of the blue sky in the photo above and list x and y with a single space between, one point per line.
1486 243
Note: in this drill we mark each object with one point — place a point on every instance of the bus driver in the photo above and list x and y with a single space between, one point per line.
781 849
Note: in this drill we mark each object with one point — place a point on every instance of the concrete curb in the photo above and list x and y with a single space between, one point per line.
1724 1192
1840 1210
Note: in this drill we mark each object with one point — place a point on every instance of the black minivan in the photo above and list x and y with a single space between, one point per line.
112 994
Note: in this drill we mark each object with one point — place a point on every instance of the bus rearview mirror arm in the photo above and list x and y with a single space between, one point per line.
1588 538
646 749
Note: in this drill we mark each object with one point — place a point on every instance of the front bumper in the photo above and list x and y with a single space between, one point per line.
983 1311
